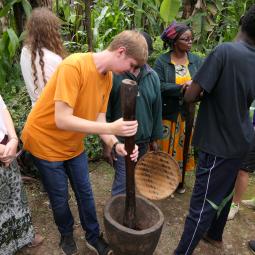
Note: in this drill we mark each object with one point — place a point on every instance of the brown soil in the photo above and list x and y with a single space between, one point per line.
236 235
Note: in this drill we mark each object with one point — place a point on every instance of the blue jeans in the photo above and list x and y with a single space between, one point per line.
119 183
55 180
210 201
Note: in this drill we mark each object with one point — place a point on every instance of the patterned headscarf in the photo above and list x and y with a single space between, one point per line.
173 32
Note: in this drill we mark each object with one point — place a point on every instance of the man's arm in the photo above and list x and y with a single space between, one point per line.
110 140
192 93
65 120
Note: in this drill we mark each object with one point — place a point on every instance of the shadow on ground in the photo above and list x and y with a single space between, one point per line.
236 235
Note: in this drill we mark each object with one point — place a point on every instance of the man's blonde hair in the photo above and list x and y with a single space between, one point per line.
135 44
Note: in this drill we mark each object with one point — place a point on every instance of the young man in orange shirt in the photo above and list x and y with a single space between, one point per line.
72 105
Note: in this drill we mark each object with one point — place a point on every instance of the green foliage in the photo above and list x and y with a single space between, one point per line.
93 147
158 49
16 98
146 16
169 10
9 4
217 22
19 107
213 23
13 42
13 84
10 41
73 30
108 19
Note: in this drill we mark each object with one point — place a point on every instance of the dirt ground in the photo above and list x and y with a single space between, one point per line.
236 235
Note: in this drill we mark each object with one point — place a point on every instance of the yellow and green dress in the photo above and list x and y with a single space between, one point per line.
174 132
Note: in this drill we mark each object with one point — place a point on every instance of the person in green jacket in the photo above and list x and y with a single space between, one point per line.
148 107
176 68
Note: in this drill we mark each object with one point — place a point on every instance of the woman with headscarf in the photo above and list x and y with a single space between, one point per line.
176 68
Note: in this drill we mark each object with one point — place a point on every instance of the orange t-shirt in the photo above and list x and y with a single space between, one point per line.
78 83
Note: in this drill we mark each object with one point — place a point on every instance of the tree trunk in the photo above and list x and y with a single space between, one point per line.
57 7
88 24
200 5
33 3
188 7
19 17
41 3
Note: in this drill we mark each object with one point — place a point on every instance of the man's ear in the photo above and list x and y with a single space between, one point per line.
121 50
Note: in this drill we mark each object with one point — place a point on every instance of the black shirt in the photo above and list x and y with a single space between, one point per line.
223 127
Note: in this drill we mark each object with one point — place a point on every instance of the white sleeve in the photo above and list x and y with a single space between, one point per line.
2 104
52 61
3 130
27 73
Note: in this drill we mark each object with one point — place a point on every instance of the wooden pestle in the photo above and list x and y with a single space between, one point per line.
128 95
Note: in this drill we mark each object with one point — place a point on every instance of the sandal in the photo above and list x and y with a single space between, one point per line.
38 240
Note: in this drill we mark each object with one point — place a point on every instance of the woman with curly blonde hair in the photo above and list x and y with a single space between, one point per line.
42 52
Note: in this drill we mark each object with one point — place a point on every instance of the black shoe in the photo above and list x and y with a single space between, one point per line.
215 243
100 247
251 245
68 245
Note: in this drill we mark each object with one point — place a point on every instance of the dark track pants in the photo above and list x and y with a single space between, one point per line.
210 202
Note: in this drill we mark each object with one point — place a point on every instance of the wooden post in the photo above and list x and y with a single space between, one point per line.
189 120
128 94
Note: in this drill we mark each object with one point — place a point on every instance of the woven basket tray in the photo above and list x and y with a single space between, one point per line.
157 175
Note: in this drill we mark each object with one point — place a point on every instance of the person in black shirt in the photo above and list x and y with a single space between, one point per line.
223 133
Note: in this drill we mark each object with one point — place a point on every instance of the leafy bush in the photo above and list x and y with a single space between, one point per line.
19 106
93 147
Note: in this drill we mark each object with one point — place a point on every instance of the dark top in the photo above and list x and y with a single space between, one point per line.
148 104
223 126
170 91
